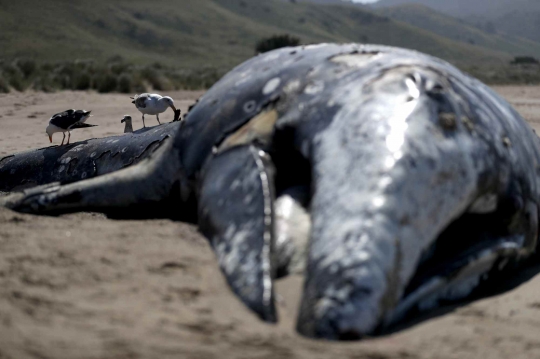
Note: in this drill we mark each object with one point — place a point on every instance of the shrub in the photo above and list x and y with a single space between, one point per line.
45 84
138 85
46 67
84 65
26 66
14 77
153 76
61 81
125 84
119 68
115 59
66 69
106 83
113 75
524 60
276 42
195 79
4 85
82 81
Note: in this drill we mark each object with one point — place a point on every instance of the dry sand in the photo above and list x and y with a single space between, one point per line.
83 286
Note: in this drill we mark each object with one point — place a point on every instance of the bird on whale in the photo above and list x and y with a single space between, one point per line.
67 121
152 104
128 124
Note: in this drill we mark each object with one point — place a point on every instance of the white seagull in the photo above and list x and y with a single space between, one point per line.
67 121
152 104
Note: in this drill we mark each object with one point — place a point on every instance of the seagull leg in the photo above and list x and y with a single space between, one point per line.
143 121
157 116
63 139
69 136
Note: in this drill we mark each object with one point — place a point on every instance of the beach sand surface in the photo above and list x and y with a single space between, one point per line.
84 286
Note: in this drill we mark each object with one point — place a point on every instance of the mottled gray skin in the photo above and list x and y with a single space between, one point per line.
419 181
82 160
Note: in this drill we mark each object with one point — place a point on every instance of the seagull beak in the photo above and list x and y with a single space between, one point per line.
50 138
174 108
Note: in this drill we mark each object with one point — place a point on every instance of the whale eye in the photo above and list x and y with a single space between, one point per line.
249 106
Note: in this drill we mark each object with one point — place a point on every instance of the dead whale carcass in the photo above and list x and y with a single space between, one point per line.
416 182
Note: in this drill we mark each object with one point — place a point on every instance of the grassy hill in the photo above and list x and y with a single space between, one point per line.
464 8
132 45
518 18
218 33
456 29
522 22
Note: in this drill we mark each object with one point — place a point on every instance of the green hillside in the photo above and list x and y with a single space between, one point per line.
426 18
518 18
189 34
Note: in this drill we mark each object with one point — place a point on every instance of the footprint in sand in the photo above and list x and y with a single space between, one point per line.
36 114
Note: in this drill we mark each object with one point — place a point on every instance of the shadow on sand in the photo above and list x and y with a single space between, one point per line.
502 283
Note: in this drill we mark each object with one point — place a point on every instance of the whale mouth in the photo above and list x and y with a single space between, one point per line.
466 255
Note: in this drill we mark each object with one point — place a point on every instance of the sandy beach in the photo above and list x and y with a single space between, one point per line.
83 286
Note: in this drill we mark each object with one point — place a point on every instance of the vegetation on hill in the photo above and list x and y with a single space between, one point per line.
276 42
517 18
459 30
186 44
218 33
465 8
510 74
112 75
524 60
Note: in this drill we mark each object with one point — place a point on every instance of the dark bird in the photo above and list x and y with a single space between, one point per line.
67 121
129 124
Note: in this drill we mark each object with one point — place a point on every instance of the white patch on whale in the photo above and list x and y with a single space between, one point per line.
271 86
